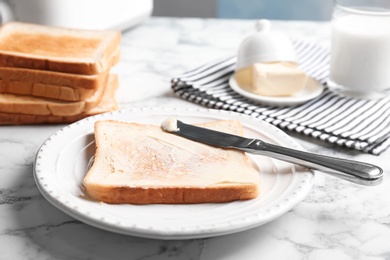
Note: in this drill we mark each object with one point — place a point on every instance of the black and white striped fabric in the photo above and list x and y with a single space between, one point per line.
355 123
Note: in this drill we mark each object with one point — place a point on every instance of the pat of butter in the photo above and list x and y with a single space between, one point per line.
244 78
275 79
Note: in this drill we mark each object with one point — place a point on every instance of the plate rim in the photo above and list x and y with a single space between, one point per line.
276 101
155 233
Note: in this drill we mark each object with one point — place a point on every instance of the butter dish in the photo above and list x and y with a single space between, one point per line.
265 46
267 70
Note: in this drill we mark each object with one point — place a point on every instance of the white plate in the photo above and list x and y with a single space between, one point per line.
311 90
62 162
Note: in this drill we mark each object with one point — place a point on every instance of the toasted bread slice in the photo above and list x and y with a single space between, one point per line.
40 47
107 104
142 164
48 84
19 104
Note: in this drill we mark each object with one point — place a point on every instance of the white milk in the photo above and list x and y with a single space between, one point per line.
360 55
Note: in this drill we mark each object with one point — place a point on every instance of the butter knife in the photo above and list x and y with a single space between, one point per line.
354 171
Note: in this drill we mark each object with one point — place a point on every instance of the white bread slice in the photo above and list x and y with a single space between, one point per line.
41 47
10 103
142 164
49 84
107 104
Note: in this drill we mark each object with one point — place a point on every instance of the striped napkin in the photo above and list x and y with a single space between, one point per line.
359 124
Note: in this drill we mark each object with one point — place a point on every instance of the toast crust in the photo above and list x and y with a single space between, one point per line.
174 195
107 104
54 85
11 103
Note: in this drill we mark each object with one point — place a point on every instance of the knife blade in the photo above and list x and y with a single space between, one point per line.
350 170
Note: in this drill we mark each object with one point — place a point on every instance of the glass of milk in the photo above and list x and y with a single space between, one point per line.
360 49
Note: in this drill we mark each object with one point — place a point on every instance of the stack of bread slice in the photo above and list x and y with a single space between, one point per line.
56 75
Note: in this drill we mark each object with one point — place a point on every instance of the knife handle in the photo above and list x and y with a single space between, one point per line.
357 172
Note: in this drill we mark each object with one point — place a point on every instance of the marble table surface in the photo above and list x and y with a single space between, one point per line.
337 220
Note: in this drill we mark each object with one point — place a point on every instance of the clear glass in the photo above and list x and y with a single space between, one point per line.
360 49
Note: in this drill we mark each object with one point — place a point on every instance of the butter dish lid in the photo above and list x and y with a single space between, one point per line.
265 46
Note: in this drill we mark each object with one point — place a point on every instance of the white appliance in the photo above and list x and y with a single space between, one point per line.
82 14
